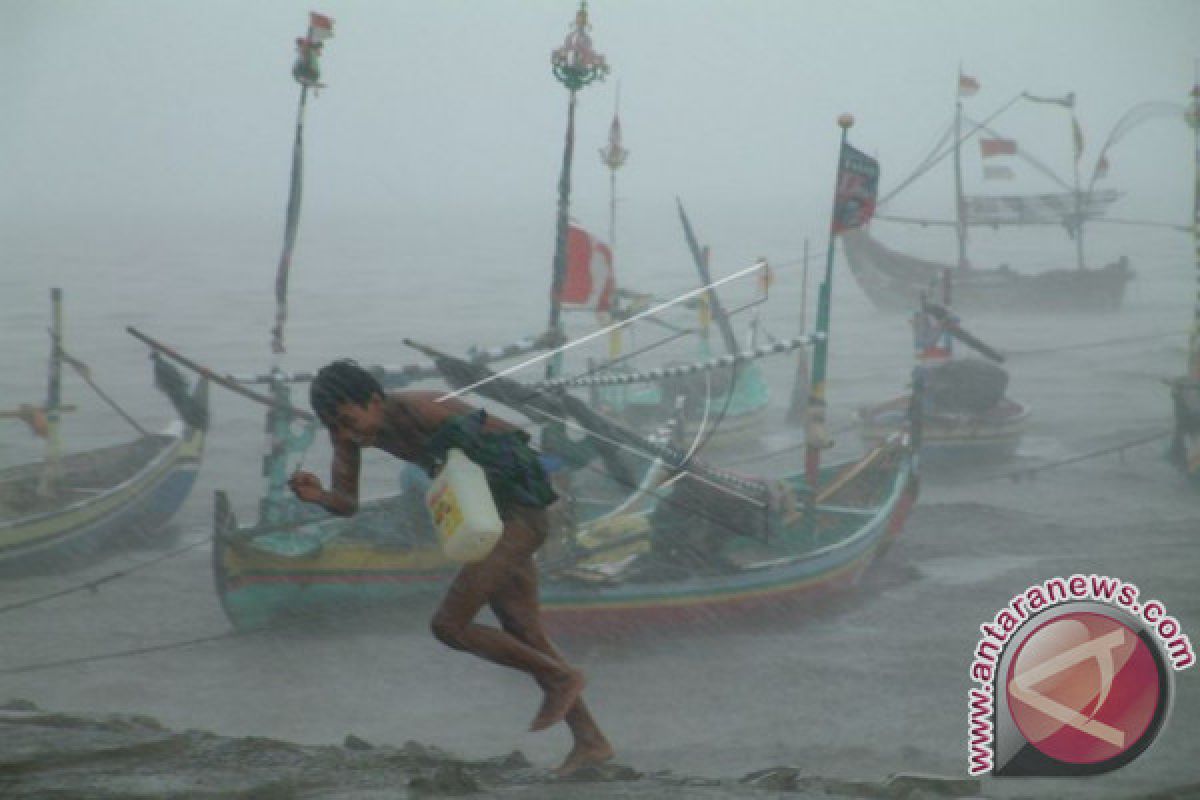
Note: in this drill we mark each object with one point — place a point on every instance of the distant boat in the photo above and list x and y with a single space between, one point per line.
965 417
64 510
893 280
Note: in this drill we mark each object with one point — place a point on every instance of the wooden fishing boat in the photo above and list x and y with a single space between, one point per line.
952 439
60 511
131 489
619 574
893 280
717 544
965 416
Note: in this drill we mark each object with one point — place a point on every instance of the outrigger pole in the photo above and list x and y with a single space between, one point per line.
50 472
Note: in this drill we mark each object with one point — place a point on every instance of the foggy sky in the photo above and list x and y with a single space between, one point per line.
144 112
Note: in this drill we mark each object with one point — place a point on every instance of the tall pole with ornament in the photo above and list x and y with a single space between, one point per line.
576 64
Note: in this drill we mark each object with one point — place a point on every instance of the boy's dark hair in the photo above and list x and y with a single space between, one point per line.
341 381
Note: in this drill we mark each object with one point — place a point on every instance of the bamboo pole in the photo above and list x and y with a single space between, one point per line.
51 470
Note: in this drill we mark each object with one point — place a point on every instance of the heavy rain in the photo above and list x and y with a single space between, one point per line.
844 337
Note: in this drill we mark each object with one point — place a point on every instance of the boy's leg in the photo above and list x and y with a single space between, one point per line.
511 606
453 623
515 604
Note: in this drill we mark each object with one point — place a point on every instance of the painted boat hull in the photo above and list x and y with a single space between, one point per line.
141 502
258 589
953 440
894 282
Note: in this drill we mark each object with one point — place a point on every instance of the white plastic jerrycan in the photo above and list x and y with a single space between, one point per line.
463 510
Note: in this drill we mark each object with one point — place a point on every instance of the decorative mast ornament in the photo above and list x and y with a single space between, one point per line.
575 65
307 73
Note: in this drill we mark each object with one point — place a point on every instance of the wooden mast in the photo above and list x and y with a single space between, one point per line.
960 211
52 468
1193 118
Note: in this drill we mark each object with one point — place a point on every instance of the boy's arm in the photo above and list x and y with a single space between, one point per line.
342 497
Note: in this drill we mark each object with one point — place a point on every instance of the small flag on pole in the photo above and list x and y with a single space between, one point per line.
967 86
1102 167
997 147
1077 133
1066 101
320 27
857 186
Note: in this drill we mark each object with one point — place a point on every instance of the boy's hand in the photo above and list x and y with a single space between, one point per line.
307 487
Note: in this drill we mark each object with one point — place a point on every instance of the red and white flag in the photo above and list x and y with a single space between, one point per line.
320 27
998 147
967 85
589 281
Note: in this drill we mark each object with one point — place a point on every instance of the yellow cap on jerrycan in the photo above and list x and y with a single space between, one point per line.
463 509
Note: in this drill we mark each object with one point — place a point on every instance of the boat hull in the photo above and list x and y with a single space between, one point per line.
258 589
772 593
952 440
895 282
139 504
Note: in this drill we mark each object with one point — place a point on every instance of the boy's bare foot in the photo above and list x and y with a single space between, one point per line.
560 694
585 754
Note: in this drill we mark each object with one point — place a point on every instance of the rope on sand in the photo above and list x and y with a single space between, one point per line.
1018 475
93 585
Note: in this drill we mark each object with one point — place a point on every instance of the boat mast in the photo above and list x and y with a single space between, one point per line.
613 156
1077 144
1193 119
816 435
281 440
960 221
52 467
575 65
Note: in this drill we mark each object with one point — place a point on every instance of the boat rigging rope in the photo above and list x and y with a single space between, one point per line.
932 162
93 585
1087 345
135 651
1018 475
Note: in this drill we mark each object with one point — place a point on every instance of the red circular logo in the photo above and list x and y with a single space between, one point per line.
1083 688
